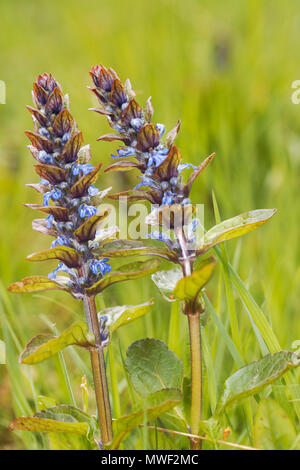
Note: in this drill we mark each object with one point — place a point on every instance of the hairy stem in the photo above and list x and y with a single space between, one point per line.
99 373
195 347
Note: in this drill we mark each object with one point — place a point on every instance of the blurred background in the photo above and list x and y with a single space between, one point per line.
226 70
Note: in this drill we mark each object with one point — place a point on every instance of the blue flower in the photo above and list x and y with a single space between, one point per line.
61 267
100 265
43 131
84 168
158 156
146 182
66 137
93 190
161 129
168 199
183 166
159 236
60 241
136 123
124 152
86 211
50 220
44 157
54 194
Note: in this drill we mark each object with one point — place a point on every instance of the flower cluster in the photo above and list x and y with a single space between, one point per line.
158 159
67 181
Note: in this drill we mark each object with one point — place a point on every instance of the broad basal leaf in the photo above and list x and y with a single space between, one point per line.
152 366
155 405
189 287
234 227
166 282
273 429
119 316
34 284
253 377
124 273
43 346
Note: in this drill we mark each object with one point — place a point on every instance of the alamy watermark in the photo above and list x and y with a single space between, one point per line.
296 95
2 92
136 222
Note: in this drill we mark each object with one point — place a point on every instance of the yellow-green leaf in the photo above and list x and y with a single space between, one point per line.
119 316
43 346
234 227
34 284
189 287
35 424
251 378
125 273
67 255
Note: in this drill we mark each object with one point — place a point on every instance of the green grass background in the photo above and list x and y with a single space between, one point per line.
225 69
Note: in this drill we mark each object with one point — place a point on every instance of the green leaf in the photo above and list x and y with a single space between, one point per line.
121 248
234 227
70 441
152 366
189 287
122 315
34 284
155 405
43 346
166 282
67 255
57 419
273 429
253 377
35 424
125 273
45 402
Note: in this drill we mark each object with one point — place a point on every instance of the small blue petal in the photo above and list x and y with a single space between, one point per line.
124 152
66 137
44 157
156 235
61 267
85 168
50 220
161 128
44 132
60 241
146 182
100 266
136 123
183 166
86 211
93 190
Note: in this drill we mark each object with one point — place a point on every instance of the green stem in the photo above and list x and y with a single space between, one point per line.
99 373
195 347
196 366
